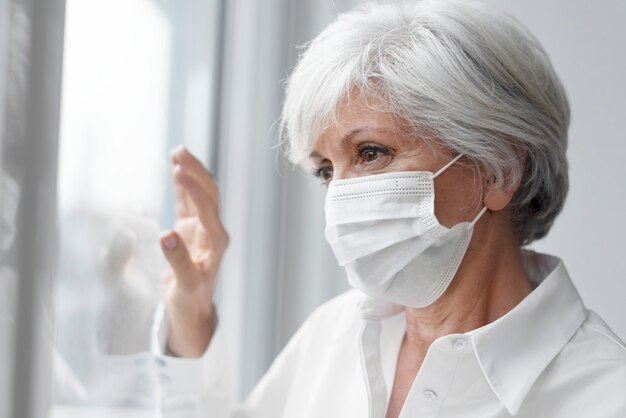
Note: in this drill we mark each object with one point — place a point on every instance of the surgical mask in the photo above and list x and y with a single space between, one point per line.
383 230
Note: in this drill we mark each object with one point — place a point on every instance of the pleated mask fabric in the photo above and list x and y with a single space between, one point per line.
383 231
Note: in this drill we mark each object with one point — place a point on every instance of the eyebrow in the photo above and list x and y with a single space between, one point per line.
349 137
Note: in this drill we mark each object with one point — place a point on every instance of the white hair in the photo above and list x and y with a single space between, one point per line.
472 77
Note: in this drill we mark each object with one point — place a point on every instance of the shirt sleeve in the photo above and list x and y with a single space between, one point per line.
192 387
199 387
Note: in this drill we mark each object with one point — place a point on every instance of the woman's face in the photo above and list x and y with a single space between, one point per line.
368 142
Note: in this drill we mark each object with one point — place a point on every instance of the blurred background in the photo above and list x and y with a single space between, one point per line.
93 96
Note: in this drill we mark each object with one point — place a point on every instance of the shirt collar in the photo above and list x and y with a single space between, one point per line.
516 348
367 309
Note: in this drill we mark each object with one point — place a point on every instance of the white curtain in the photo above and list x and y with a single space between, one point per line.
31 42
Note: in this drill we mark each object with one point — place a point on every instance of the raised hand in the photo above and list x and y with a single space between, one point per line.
194 249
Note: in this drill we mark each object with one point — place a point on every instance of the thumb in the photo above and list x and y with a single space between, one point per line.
177 256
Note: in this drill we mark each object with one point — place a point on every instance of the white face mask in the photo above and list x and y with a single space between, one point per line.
383 230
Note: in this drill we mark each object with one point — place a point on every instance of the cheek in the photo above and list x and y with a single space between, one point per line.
458 197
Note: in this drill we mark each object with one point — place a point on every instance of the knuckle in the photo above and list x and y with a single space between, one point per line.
218 244
180 259
213 190
210 179
225 239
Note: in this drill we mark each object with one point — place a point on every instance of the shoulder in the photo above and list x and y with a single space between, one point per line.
597 346
338 310
333 318
590 371
595 330
344 303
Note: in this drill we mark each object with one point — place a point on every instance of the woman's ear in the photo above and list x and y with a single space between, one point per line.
497 199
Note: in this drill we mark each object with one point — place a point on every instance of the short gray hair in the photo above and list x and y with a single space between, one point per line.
473 77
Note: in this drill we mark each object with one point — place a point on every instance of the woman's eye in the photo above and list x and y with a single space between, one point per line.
324 173
369 153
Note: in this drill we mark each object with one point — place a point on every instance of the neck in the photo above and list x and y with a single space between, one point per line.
489 283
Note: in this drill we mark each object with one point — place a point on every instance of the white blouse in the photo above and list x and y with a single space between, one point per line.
548 357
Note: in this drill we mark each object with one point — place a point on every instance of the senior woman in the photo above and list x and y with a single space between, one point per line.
440 129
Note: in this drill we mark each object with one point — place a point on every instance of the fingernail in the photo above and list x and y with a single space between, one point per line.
177 151
171 241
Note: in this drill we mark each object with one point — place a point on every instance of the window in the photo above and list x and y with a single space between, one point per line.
138 79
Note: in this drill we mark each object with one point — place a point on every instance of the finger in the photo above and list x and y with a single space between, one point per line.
181 156
206 207
183 205
178 257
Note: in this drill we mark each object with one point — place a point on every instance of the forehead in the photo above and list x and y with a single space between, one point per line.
357 116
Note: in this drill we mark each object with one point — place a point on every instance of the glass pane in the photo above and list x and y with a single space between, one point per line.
9 196
137 80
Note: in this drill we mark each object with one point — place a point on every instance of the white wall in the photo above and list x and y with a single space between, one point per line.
587 44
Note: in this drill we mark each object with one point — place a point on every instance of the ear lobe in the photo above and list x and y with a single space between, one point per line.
497 199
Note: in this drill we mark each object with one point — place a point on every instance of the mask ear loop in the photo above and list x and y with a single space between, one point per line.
445 167
481 213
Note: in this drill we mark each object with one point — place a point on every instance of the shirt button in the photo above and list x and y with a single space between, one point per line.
459 344
430 395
